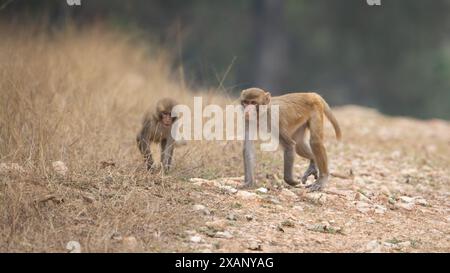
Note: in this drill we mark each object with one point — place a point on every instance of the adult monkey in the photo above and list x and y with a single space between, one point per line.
297 113
156 128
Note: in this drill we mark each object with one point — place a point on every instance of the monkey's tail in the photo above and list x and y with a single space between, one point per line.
332 119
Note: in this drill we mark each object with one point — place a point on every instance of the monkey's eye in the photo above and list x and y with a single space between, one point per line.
253 103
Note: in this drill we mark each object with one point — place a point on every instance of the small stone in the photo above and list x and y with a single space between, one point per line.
246 195
228 189
406 206
299 208
406 199
361 197
373 247
420 201
287 223
202 209
249 217
288 194
218 225
362 207
232 217
262 190
384 190
73 247
60 168
195 239
316 197
88 197
404 244
130 243
223 235
116 236
204 182
380 209
254 245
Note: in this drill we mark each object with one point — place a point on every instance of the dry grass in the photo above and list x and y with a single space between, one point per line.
78 96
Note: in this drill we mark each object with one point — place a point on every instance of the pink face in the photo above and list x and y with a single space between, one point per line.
249 107
166 119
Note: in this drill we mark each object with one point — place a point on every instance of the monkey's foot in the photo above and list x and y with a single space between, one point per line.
318 185
310 171
291 182
247 186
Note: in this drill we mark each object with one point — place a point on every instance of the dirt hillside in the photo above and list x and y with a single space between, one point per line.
72 179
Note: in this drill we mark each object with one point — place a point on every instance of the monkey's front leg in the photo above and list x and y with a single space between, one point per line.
149 161
289 165
249 162
167 147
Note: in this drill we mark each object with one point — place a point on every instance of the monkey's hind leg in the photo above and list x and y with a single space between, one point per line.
304 150
312 170
318 150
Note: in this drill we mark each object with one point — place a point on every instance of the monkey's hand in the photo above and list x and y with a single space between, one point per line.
318 185
310 171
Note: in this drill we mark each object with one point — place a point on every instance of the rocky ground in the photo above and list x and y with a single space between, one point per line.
389 192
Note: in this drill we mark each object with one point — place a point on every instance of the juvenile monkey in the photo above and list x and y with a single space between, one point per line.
298 112
156 128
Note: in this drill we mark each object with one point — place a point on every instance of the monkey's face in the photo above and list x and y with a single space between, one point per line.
252 98
164 111
166 118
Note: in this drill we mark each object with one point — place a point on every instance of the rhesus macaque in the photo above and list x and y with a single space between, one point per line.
298 112
156 128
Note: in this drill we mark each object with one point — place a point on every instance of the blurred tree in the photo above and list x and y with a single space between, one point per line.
394 57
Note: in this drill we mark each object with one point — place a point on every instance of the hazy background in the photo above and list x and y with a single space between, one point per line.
395 57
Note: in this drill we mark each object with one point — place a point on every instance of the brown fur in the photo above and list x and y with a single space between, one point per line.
154 131
298 112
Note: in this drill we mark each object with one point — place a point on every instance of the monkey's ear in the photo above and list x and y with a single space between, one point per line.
267 97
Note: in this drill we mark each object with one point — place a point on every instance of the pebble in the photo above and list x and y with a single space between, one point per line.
374 247
73 247
362 207
60 168
380 209
406 199
255 245
406 206
288 194
228 189
195 239
316 197
262 190
246 195
202 209
223 235
217 225
130 243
